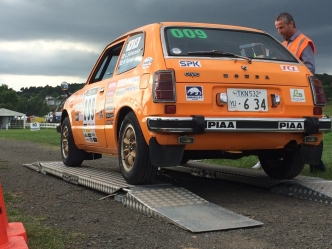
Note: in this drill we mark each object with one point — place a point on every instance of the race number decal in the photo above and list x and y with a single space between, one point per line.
189 33
89 118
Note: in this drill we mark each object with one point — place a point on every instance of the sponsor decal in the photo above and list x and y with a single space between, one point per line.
133 81
109 122
122 83
190 64
120 92
288 68
91 92
176 51
131 88
110 92
80 117
191 74
76 116
112 85
109 115
297 95
133 44
127 60
109 100
194 93
147 62
101 114
131 53
291 125
109 108
221 125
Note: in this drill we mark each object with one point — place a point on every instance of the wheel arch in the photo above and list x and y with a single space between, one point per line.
121 115
64 115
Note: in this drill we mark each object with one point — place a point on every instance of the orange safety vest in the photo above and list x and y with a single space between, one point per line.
299 44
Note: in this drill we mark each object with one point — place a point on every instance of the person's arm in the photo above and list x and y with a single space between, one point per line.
307 57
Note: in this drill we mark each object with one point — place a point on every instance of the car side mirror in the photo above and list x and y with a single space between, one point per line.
64 86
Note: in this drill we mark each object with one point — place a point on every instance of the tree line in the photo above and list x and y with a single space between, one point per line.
31 100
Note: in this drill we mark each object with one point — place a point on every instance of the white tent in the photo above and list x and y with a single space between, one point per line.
6 115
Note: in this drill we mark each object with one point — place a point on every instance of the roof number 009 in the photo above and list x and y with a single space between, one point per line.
189 33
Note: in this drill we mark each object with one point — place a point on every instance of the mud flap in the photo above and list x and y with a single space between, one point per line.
311 154
165 156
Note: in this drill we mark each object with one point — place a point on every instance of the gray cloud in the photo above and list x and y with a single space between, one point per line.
99 22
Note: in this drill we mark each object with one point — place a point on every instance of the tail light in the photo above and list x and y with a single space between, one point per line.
317 91
164 86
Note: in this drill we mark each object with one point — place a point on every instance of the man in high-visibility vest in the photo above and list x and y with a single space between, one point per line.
295 41
304 49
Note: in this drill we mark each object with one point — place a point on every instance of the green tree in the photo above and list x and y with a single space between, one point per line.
8 98
37 106
22 105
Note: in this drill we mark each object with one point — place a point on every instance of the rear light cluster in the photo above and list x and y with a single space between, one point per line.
317 91
164 86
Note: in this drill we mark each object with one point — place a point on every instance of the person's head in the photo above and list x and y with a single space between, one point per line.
285 25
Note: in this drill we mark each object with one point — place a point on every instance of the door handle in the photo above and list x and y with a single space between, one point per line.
101 90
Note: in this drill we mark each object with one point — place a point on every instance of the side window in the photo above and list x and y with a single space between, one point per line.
132 53
107 66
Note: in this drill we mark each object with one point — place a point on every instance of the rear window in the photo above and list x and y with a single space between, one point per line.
183 41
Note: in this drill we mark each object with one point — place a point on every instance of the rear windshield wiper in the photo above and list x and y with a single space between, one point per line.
220 53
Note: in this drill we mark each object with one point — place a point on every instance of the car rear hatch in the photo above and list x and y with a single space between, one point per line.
256 89
237 71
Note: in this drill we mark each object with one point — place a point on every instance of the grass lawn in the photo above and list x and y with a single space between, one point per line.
51 137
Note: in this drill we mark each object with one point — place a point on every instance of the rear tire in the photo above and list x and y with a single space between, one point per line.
133 153
71 155
285 165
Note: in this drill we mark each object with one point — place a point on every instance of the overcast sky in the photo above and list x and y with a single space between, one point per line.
45 42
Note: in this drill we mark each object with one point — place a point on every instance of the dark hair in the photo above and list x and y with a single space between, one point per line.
286 17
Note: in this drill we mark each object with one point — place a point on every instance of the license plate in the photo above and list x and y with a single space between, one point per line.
247 100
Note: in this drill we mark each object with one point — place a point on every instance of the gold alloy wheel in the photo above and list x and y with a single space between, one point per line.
64 141
128 148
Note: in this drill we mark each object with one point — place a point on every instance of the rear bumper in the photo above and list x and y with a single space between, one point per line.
200 124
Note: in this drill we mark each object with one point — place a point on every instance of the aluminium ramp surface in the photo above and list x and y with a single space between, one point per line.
185 209
162 201
303 187
307 188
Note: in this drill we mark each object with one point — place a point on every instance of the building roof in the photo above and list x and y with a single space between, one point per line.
8 113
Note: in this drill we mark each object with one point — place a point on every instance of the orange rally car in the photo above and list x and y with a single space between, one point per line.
166 93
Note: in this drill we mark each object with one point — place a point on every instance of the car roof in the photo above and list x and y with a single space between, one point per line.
194 24
208 25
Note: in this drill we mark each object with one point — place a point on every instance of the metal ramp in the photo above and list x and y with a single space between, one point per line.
162 201
303 187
